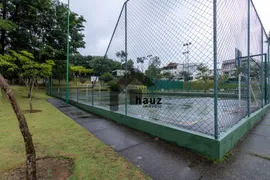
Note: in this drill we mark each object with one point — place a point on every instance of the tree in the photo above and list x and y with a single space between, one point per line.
130 65
24 65
186 75
101 65
122 55
106 77
153 71
40 27
79 60
155 61
140 60
27 137
5 24
204 75
81 71
167 75
223 79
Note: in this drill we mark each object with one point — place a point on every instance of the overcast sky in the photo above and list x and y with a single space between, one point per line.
101 16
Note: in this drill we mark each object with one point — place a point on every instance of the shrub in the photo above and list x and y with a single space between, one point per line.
106 77
113 86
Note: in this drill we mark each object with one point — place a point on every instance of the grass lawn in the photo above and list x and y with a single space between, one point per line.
56 135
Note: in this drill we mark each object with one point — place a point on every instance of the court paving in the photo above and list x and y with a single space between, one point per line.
164 161
192 113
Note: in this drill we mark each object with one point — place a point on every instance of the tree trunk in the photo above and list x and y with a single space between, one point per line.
31 95
28 142
3 31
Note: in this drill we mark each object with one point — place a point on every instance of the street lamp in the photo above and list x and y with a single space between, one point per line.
67 63
149 64
186 53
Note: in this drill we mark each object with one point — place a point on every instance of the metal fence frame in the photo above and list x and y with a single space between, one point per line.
265 59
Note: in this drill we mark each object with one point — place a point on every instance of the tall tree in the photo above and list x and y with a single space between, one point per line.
122 55
204 75
154 72
130 65
27 137
40 27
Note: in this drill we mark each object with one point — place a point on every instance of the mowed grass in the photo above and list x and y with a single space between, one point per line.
56 135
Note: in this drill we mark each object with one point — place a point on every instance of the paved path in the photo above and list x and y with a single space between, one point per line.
163 161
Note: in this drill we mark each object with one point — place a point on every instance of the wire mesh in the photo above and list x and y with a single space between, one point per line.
165 54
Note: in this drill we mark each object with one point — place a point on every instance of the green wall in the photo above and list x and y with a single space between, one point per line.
198 142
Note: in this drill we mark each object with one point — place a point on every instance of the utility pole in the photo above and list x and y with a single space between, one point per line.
67 63
186 53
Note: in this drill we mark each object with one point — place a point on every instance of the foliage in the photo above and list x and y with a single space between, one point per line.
103 65
223 79
153 71
82 80
79 60
79 70
23 64
122 55
106 77
65 138
113 86
40 27
167 75
203 75
140 60
186 75
130 65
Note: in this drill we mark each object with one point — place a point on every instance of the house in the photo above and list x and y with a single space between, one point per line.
172 68
229 66
118 73
219 72
175 70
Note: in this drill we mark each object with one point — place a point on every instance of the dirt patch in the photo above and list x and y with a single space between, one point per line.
47 169
33 111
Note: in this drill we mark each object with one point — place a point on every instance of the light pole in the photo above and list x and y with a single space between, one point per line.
149 64
67 63
186 53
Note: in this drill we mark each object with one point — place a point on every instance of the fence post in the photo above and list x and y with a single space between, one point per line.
92 96
248 50
268 62
126 58
265 80
87 93
215 69
51 86
77 94
262 65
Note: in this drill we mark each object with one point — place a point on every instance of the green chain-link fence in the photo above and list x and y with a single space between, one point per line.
198 65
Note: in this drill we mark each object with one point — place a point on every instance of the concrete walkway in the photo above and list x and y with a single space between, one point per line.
160 160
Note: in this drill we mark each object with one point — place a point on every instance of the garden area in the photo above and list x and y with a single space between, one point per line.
63 148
